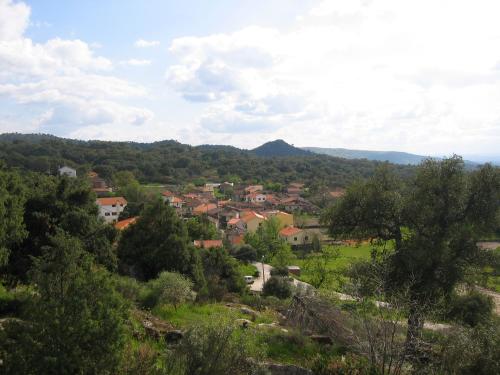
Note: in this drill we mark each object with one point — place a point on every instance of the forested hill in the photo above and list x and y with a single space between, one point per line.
172 162
279 148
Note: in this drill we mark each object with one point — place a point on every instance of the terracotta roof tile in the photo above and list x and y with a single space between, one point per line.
111 201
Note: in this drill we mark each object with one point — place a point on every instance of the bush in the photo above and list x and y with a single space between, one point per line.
471 309
470 351
130 288
170 288
277 286
245 253
213 348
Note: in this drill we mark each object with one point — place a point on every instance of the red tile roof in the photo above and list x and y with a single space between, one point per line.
290 231
111 201
233 221
207 244
122 224
251 215
167 193
204 208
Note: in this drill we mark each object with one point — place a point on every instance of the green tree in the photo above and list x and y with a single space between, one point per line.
318 266
200 228
277 286
171 287
157 242
61 203
434 221
266 240
127 186
221 272
12 198
74 323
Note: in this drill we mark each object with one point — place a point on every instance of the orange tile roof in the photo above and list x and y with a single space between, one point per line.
111 201
122 224
207 244
167 193
177 200
204 208
233 221
290 231
251 215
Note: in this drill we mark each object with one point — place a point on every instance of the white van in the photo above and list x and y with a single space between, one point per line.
249 279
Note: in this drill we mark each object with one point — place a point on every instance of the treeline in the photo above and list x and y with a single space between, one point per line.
171 162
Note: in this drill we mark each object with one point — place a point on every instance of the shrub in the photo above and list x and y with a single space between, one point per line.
245 253
170 287
471 309
277 286
212 349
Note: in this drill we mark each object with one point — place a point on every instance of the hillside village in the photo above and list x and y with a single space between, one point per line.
233 209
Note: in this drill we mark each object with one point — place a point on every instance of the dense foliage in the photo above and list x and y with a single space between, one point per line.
157 242
173 162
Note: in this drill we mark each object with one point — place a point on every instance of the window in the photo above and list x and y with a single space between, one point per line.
295 238
306 238
114 213
114 205
107 214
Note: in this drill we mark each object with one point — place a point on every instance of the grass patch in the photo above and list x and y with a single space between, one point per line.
287 347
247 269
347 256
189 314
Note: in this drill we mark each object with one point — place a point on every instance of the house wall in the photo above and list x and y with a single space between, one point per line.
110 214
254 224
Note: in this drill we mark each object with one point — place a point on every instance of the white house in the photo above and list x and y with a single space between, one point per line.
295 236
255 197
67 171
111 208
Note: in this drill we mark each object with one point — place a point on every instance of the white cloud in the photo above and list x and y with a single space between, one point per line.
141 43
63 82
14 19
381 74
136 62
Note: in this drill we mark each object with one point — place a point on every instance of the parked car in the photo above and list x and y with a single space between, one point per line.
249 279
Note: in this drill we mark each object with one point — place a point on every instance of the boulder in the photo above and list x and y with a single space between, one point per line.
173 337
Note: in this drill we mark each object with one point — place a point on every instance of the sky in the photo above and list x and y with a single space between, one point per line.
417 76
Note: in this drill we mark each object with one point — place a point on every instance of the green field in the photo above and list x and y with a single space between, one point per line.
347 256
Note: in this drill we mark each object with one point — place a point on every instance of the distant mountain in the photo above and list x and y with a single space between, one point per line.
279 148
395 157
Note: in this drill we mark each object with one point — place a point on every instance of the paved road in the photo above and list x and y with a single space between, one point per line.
258 284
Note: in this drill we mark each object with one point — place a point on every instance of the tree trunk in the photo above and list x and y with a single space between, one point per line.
414 333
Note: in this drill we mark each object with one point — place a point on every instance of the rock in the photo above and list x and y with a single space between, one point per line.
267 325
243 323
281 369
173 337
321 339
247 311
